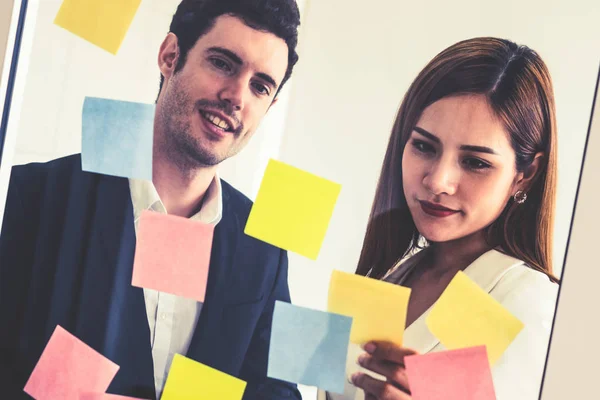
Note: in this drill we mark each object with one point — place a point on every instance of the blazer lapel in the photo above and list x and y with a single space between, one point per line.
112 313
486 271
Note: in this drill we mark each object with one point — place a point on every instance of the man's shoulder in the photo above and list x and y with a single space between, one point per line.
53 179
71 163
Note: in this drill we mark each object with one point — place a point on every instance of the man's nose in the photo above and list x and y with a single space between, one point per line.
234 93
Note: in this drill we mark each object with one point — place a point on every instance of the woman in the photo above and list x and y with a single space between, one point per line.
468 183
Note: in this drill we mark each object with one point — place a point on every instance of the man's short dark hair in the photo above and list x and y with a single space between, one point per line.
194 18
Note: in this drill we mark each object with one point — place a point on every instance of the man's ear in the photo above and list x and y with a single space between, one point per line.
168 55
526 178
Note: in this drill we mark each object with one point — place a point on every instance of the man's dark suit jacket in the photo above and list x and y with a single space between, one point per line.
66 256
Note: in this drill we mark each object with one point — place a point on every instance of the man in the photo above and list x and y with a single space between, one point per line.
68 237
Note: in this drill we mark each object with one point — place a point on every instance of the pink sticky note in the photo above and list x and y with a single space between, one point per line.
172 255
106 396
462 374
68 368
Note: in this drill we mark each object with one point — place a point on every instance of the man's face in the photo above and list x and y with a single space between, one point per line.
209 109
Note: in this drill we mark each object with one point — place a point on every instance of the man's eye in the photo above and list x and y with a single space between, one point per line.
220 64
261 89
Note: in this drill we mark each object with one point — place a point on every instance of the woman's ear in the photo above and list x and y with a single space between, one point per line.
526 178
168 55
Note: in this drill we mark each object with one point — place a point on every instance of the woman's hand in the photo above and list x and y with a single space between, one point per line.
386 359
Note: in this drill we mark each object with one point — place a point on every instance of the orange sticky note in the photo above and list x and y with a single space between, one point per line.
292 209
462 374
106 396
172 255
69 368
101 22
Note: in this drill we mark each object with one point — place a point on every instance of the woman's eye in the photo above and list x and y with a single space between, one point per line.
422 147
476 164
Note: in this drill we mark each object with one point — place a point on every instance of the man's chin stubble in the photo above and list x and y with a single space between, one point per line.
187 157
197 158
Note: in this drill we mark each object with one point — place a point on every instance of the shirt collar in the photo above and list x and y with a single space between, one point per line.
145 197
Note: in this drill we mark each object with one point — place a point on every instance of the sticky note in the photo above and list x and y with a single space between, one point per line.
309 347
106 396
191 380
101 22
466 316
292 209
117 138
68 368
172 254
378 308
462 374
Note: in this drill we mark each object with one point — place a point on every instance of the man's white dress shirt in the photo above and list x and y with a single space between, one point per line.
172 319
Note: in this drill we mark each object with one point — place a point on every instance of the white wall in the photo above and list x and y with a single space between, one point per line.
571 359
6 7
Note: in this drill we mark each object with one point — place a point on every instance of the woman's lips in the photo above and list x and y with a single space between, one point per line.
436 210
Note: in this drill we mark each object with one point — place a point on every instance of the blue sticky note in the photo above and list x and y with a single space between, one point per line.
117 138
309 347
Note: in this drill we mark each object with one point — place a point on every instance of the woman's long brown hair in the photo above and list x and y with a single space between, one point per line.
517 85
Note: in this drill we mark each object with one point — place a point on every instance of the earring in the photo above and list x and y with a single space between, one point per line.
520 197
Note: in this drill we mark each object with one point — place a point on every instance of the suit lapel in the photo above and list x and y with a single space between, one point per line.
112 314
486 272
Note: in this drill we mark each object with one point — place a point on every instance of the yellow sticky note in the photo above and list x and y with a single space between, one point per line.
191 380
101 22
378 308
292 209
466 316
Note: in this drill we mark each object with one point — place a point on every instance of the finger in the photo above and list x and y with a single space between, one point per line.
394 372
381 390
388 351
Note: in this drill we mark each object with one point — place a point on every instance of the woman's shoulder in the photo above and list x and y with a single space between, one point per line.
526 291
524 278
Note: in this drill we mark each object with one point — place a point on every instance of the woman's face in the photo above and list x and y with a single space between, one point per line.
458 168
